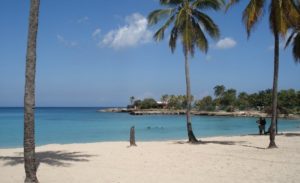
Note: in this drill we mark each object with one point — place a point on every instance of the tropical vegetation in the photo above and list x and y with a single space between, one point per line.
230 100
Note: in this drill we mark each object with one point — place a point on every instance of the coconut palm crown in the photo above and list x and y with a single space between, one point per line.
190 24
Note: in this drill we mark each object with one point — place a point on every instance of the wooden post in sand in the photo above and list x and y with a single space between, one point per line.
132 136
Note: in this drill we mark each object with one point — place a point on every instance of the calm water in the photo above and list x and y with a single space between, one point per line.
75 125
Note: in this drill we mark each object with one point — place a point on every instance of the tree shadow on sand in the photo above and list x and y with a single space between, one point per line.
219 142
52 158
292 134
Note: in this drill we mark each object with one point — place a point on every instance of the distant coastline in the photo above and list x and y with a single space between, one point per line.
247 113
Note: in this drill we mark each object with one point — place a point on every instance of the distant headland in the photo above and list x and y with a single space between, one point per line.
196 113
226 102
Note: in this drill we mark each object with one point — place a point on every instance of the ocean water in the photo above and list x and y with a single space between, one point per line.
79 125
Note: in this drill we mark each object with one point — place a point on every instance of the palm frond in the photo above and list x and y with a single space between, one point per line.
292 12
187 33
200 38
290 39
210 27
180 17
252 14
173 38
208 4
170 2
296 48
157 15
159 35
231 3
278 17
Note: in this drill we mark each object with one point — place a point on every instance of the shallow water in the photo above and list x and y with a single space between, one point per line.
77 125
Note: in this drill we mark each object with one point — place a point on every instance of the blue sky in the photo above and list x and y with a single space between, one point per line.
99 53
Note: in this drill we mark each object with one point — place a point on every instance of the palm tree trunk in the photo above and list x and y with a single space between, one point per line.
29 98
274 94
191 135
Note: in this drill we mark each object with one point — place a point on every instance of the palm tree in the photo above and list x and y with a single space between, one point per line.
188 24
219 90
279 13
131 100
29 98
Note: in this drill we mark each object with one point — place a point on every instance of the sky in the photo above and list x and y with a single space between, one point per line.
99 53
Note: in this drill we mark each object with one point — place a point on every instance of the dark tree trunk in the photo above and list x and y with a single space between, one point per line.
274 94
132 136
191 136
276 126
29 98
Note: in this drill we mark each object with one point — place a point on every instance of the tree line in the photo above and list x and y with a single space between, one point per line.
227 99
166 101
230 100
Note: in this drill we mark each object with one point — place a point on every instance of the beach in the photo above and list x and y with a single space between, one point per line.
217 159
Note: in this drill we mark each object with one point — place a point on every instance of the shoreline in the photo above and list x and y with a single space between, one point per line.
285 133
247 113
218 159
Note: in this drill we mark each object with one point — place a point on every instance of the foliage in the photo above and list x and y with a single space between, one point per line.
206 104
288 101
137 103
188 22
131 100
243 101
294 37
178 102
149 103
165 98
228 98
261 99
219 90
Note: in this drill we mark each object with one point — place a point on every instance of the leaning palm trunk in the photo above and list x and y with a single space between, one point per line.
274 94
29 98
191 135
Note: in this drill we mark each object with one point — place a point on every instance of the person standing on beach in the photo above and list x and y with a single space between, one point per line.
261 125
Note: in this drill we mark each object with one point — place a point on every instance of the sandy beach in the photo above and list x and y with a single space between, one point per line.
218 159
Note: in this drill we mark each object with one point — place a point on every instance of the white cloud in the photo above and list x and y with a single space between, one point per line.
226 43
83 19
133 33
96 33
65 42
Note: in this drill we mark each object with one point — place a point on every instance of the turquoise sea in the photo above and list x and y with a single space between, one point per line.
78 125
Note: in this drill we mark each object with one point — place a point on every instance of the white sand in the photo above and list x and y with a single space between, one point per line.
225 159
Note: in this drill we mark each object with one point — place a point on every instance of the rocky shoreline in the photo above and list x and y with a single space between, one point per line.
196 113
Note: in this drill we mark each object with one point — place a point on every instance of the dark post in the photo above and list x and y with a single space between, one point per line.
132 136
